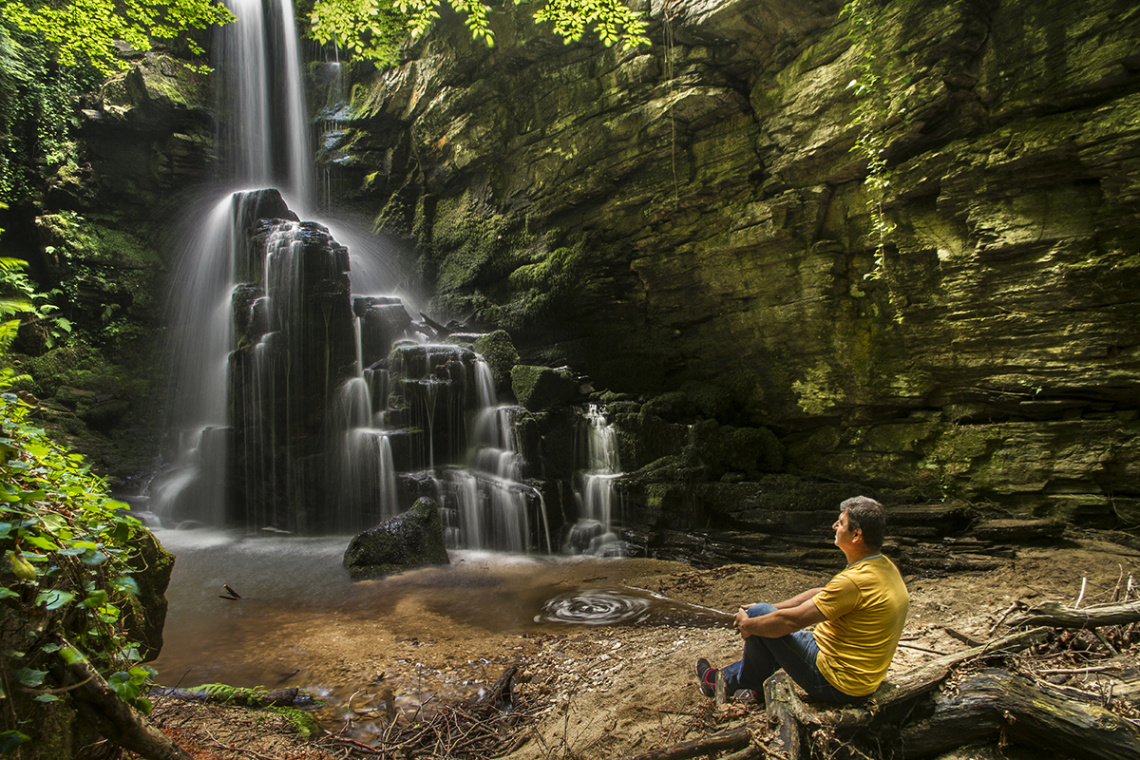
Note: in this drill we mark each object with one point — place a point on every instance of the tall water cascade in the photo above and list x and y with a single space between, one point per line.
299 405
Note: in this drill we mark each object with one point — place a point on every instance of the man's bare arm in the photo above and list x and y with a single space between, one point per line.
781 622
795 601
798 599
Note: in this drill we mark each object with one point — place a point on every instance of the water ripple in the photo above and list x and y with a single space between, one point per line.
595 607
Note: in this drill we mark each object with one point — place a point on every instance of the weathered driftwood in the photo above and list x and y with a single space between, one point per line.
793 720
722 741
994 702
1058 615
98 705
500 694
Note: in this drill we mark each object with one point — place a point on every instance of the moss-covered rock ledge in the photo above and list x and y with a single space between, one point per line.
692 212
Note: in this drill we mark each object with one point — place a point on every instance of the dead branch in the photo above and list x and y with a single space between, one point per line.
735 738
994 702
1058 615
500 694
98 705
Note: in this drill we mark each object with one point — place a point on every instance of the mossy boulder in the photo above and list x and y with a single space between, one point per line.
145 614
499 351
404 542
539 388
644 438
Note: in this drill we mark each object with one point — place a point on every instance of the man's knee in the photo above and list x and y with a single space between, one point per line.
763 608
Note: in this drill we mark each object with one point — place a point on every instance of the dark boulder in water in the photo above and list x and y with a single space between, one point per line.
404 542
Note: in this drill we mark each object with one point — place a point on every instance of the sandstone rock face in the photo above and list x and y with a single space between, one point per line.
692 212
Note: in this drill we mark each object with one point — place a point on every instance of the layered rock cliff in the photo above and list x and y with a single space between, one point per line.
690 216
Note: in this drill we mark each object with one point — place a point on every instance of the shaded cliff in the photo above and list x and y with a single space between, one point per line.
691 216
95 224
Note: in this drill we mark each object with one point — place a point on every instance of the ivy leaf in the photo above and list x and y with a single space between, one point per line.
30 677
54 599
9 740
40 542
128 585
95 598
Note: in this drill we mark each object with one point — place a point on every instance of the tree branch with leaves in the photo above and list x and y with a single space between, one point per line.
373 29
86 31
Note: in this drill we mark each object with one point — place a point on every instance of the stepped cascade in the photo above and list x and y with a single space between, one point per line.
299 405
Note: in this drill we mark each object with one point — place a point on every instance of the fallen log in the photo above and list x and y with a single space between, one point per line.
719 742
1058 615
993 703
794 720
925 678
221 693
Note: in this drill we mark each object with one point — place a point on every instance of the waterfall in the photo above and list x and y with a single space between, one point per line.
594 488
265 140
298 405
493 503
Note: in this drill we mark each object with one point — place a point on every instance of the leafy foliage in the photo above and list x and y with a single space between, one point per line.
374 28
86 30
613 21
66 570
19 298
37 105
874 108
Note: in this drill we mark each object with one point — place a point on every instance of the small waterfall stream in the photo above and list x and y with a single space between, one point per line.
594 489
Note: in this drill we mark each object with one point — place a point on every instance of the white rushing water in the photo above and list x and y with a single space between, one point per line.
241 448
594 488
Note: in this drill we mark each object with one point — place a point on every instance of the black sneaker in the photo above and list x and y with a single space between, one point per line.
706 674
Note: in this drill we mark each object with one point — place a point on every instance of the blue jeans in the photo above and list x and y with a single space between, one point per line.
795 653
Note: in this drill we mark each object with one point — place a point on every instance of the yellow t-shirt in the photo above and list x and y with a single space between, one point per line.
865 606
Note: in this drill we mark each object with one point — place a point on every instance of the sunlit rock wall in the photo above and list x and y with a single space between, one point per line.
693 212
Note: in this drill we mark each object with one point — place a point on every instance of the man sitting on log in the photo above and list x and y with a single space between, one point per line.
860 614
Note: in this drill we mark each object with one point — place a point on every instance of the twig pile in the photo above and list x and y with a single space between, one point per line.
460 729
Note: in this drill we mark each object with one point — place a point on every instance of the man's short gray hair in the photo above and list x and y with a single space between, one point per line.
868 516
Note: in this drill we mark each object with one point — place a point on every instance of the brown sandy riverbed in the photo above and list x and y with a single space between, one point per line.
599 691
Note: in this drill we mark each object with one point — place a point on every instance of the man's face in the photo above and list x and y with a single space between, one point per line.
844 536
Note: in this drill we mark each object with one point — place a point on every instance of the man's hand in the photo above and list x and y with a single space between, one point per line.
739 618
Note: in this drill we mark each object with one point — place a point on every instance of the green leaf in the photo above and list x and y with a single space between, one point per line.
37 449
41 542
30 677
54 599
127 584
95 598
9 740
